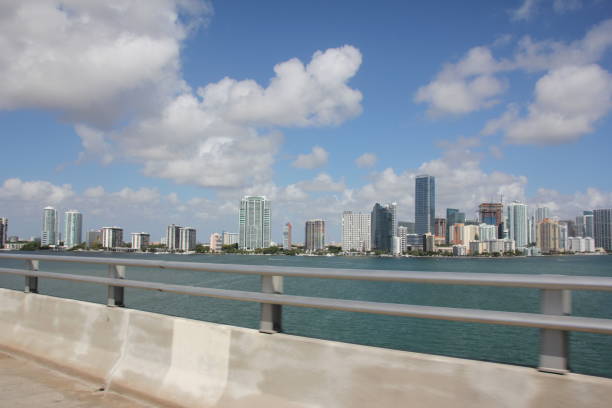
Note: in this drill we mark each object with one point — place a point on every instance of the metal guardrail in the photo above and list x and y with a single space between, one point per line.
554 321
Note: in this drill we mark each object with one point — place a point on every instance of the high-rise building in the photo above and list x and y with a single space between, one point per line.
356 232
255 222
492 214
409 226
487 232
140 240
3 231
187 241
571 227
580 226
382 228
216 242
287 229
394 221
314 238
563 244
602 228
112 237
402 233
518 223
173 237
440 227
50 227
73 228
94 237
453 216
424 203
541 214
230 238
589 230
547 239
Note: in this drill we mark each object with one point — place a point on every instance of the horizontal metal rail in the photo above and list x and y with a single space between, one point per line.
572 323
559 282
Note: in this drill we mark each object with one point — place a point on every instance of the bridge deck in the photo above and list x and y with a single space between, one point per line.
25 384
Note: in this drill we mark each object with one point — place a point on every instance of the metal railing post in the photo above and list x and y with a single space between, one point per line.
554 344
31 282
116 293
271 315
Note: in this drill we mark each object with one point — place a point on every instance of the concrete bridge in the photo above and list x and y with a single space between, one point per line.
169 361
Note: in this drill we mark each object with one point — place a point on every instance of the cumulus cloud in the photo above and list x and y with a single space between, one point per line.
322 182
40 191
366 160
317 158
466 86
529 8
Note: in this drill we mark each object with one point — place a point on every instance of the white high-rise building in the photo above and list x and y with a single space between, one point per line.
112 237
518 223
487 232
140 240
187 239
356 232
173 237
255 222
73 228
230 238
393 209
402 233
50 227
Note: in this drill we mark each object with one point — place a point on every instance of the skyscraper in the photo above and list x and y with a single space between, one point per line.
255 222
73 228
140 240
3 231
602 227
356 232
393 209
314 237
287 229
112 237
541 214
588 224
518 223
382 228
50 227
547 236
187 241
440 227
173 237
492 214
453 216
424 203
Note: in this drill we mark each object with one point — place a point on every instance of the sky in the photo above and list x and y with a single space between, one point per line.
145 113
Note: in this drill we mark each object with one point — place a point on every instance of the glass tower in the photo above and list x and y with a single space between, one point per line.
50 227
73 228
255 222
425 204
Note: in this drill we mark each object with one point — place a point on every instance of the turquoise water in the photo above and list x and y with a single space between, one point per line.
589 353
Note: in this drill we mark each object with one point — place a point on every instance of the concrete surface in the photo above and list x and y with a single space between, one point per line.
29 385
180 362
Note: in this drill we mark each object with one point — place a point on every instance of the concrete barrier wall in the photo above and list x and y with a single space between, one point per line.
181 362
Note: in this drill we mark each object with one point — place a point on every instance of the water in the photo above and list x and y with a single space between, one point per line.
589 353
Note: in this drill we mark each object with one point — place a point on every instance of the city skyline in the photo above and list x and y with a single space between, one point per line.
516 105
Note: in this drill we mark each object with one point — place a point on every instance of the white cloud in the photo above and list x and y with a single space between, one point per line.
563 6
317 158
140 196
568 103
525 11
529 8
464 87
366 160
322 182
38 191
94 192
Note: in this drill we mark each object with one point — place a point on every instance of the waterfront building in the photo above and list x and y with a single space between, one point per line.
563 245
571 232
73 228
255 222
314 237
173 237
3 231
541 214
459 250
495 246
470 233
518 223
589 230
409 225
414 242
456 233
602 228
230 238
576 244
424 204
187 241
401 234
392 207
509 245
429 242
382 228
112 237
287 236
396 246
492 214
487 232
216 242
94 237
589 244
453 216
547 238
140 240
579 226
50 227
478 248
440 227
356 232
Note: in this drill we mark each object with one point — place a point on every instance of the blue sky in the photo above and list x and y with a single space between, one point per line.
145 113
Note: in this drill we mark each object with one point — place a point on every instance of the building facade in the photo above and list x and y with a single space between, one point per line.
547 236
3 232
314 236
173 237
589 226
453 216
255 222
487 232
50 227
73 228
440 227
187 240
216 242
356 232
230 238
424 204
287 229
382 228
518 223
140 240
112 237
602 228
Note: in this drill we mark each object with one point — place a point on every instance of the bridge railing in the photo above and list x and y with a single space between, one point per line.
554 321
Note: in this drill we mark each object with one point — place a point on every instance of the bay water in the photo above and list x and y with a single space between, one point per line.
589 353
